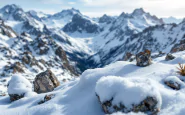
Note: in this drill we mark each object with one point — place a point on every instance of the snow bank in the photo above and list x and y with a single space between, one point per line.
175 80
126 91
19 85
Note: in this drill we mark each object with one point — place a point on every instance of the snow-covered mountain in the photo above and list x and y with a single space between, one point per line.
172 20
106 19
117 33
26 23
37 15
59 20
68 43
81 24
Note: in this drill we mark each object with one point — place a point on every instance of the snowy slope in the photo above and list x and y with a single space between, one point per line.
60 19
72 96
37 15
172 20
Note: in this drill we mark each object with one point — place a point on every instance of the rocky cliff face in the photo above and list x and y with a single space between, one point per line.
82 25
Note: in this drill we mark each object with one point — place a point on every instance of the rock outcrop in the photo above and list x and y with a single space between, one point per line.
17 67
144 58
148 104
169 57
47 98
45 82
178 47
129 57
62 55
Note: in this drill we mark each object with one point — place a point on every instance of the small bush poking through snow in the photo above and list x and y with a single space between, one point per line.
19 87
125 95
181 69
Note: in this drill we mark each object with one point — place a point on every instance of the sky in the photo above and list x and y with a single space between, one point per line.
95 8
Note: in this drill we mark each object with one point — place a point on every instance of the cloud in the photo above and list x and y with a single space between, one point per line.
71 3
52 1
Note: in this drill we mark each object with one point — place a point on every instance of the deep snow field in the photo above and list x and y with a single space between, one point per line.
127 81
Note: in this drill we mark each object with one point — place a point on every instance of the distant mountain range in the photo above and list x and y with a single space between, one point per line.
91 42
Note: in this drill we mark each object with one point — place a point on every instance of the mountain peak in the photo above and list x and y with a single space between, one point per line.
138 11
12 7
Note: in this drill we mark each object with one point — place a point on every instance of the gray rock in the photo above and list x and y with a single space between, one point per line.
47 98
147 105
144 58
169 57
174 85
14 97
45 82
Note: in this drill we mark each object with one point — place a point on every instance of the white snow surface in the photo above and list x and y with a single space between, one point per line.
127 91
19 85
80 93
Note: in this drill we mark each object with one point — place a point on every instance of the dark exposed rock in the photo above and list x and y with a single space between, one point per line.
147 105
7 30
79 24
178 47
106 19
25 34
61 53
30 60
129 57
18 67
144 58
45 82
14 97
169 57
174 85
47 98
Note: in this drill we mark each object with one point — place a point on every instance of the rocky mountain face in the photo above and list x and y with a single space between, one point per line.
35 28
21 54
81 24
106 19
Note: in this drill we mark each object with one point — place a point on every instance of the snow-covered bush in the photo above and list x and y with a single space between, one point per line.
19 87
127 94
174 82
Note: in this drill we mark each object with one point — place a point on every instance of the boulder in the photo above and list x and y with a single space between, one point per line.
148 104
169 57
173 82
116 94
18 87
14 97
144 58
45 82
